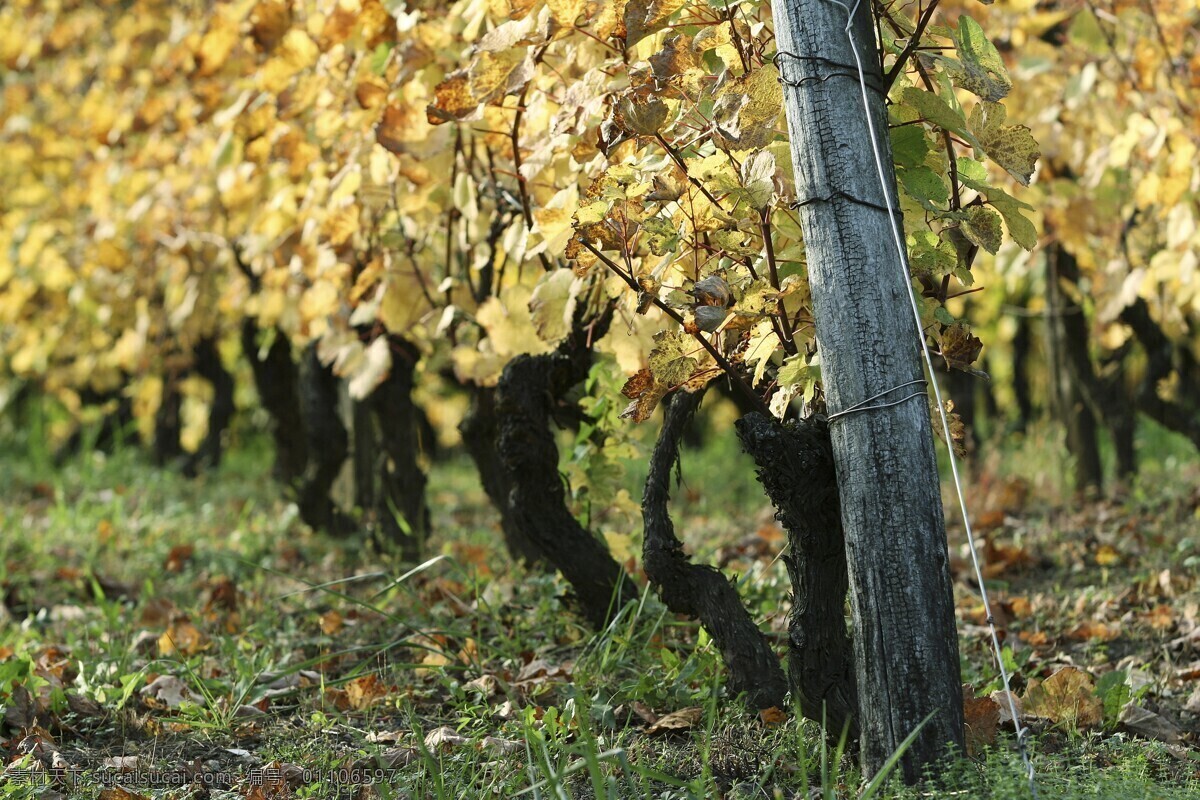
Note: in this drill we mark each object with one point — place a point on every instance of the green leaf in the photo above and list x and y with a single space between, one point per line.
909 146
929 254
1011 146
926 187
671 361
1019 227
982 226
1113 690
661 235
793 371
981 70
935 110
379 58
972 173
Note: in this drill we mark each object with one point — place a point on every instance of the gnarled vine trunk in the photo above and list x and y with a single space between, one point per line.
208 366
698 590
479 430
796 468
390 487
536 505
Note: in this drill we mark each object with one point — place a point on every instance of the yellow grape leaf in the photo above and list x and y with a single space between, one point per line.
671 360
508 323
565 12
513 33
295 53
1067 696
1011 146
552 304
748 108
403 304
319 300
644 17
370 369
218 42
490 77
762 345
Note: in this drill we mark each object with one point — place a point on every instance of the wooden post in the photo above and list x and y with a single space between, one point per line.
905 643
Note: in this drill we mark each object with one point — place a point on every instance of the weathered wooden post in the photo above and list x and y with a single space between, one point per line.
905 644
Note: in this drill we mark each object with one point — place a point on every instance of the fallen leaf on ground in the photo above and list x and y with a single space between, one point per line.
365 691
331 622
121 793
981 717
1143 722
179 557
181 637
772 716
681 720
1067 696
167 691
443 739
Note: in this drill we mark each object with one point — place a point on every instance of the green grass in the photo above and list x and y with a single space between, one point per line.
298 632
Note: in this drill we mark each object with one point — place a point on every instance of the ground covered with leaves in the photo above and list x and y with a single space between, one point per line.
168 638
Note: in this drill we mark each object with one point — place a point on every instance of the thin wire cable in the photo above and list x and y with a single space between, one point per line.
861 405
1022 733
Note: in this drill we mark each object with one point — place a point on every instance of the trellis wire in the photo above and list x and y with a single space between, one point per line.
1022 732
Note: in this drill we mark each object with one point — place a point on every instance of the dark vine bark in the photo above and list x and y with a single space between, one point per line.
1103 390
327 443
698 590
479 430
396 479
116 428
796 468
277 379
1068 348
529 389
1022 347
168 422
1182 414
311 443
208 366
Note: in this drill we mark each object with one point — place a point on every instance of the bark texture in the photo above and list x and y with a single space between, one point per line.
208 366
1103 388
277 379
396 479
1069 361
327 443
1182 413
168 421
906 647
698 590
479 430
795 467
526 396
